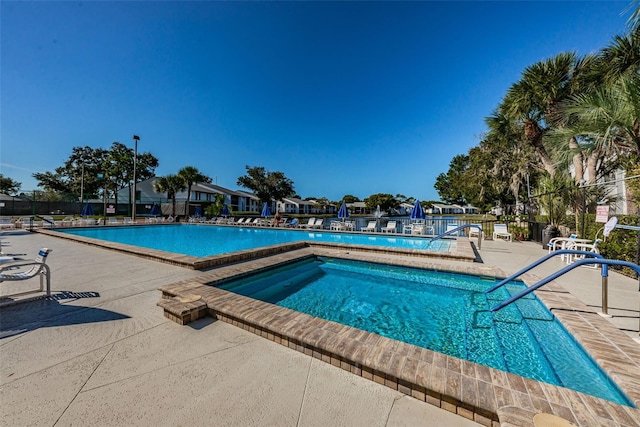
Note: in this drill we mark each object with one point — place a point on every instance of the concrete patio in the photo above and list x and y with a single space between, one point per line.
101 352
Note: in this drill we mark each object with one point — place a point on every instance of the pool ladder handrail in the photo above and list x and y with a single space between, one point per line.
585 261
459 228
540 261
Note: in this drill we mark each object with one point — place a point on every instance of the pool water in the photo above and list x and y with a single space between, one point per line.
445 312
202 241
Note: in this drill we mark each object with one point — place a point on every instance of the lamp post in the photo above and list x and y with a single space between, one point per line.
584 206
136 138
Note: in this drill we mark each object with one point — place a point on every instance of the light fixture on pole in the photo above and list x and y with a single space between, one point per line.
136 138
584 206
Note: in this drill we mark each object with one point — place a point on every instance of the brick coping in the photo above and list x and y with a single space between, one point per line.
488 396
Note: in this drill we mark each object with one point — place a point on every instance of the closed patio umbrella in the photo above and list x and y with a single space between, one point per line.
87 210
417 212
155 210
266 210
343 212
225 211
198 211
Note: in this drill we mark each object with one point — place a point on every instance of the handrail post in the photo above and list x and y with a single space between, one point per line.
605 296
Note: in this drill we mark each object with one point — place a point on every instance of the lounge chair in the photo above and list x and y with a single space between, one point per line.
318 224
451 227
7 224
500 232
372 226
114 221
24 270
474 231
390 227
294 223
309 223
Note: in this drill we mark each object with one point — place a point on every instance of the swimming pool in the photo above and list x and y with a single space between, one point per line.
203 241
445 312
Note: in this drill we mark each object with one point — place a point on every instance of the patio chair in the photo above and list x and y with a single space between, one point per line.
319 223
501 231
371 227
582 246
294 223
451 227
474 231
310 223
390 227
24 270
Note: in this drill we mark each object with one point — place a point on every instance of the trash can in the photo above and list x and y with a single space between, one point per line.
548 233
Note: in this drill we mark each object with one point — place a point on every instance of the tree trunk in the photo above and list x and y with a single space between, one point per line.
578 159
592 165
533 134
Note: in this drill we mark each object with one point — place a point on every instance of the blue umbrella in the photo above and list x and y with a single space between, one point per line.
225 211
155 210
417 212
343 212
266 210
198 211
87 210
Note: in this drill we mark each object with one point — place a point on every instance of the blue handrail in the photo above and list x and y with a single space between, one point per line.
540 261
455 230
605 272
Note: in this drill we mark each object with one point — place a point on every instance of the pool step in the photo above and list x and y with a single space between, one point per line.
184 309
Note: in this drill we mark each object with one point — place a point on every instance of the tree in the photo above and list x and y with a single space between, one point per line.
79 176
191 175
266 185
8 185
449 185
170 184
348 198
386 202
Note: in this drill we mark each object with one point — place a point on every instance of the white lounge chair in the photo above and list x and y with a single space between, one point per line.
319 223
24 270
391 227
309 223
474 231
500 231
372 226
451 227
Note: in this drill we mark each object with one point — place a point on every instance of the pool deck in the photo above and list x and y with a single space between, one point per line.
100 352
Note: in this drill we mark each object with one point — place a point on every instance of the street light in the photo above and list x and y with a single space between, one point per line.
584 206
136 138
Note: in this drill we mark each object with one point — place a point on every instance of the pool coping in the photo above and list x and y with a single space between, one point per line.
462 249
488 396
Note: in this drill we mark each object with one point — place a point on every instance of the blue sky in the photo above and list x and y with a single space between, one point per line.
343 97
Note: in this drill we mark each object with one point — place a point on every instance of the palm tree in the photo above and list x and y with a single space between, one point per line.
534 101
191 175
170 184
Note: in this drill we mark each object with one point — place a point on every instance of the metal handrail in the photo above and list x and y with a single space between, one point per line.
540 261
605 273
458 228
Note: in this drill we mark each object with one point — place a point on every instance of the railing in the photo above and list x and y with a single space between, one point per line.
460 228
586 261
540 261
46 221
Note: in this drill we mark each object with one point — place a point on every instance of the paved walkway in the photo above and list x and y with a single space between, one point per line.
103 354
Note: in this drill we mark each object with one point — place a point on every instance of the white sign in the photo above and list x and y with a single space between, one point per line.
111 210
602 214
